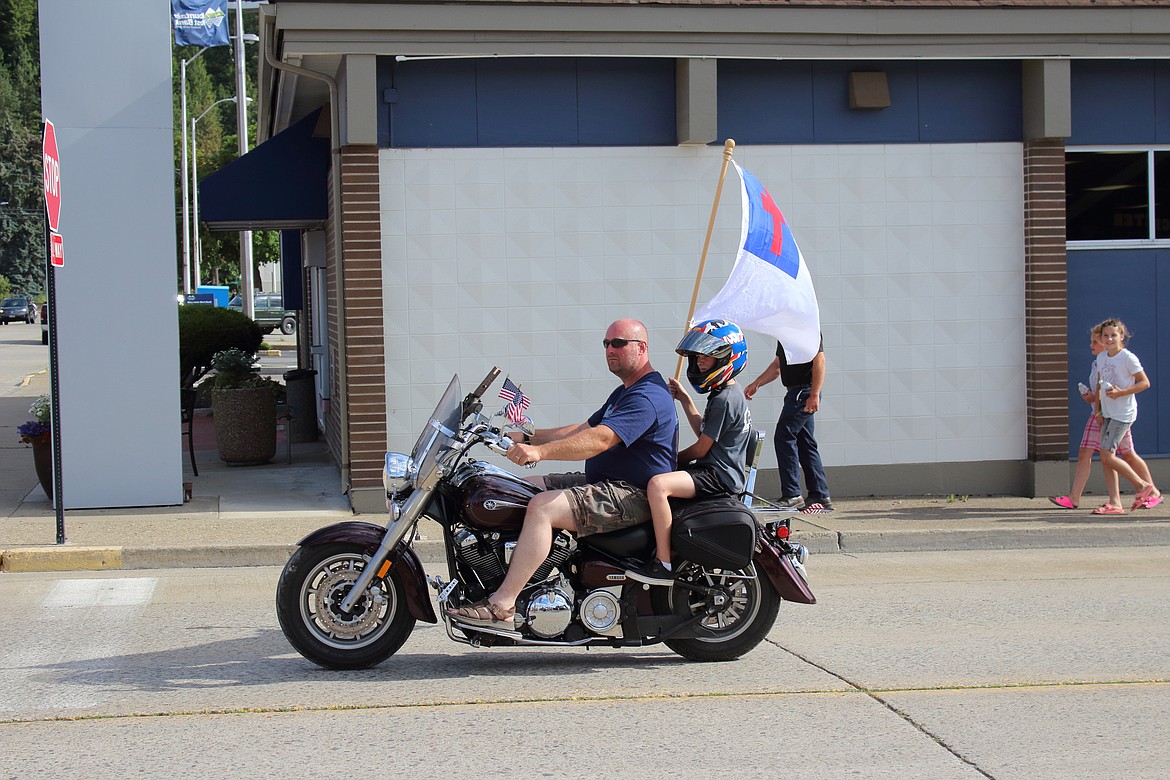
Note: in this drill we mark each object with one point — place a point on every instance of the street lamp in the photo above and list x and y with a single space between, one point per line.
187 270
196 256
183 171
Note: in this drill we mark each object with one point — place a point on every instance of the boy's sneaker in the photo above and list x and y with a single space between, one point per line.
790 504
653 573
818 507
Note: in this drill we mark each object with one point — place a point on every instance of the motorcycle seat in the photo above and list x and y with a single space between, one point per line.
632 542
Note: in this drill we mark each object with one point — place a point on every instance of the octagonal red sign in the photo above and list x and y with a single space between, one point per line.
51 160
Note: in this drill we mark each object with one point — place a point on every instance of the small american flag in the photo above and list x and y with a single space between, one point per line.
517 401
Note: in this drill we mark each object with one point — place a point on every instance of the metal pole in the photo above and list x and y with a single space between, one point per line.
197 254
54 388
185 186
183 180
246 287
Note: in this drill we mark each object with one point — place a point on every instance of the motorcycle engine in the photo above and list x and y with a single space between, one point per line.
601 611
550 610
483 558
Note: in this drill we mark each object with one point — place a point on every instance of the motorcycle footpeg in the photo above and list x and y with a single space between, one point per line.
490 626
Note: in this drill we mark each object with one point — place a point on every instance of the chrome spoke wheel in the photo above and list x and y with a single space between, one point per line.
322 593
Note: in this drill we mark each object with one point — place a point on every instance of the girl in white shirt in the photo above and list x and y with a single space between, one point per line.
1119 378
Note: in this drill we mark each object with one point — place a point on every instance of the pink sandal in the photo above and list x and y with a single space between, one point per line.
1064 502
1108 509
1151 502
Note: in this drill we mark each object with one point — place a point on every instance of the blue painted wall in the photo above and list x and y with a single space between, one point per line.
765 102
631 102
1120 102
1126 284
526 102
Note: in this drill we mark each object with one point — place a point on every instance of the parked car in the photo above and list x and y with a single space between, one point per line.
270 313
16 309
45 322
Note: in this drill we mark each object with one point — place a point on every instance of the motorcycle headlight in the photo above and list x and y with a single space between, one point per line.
398 472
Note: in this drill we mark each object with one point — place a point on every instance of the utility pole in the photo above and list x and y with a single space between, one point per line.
246 291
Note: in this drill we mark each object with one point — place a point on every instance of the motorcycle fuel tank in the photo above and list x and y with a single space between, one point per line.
496 502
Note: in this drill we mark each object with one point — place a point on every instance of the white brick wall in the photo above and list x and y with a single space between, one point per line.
522 257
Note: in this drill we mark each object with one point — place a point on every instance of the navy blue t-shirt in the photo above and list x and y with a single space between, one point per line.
644 419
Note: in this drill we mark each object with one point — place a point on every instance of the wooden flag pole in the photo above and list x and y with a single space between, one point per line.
728 147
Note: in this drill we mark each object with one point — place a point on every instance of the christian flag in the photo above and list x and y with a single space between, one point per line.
769 290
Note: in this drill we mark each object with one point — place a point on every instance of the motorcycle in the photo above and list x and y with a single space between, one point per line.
351 593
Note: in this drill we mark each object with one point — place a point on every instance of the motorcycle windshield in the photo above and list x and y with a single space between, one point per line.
439 433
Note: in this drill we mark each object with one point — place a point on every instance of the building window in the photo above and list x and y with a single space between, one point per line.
1117 196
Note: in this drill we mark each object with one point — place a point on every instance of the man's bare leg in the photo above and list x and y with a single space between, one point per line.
546 511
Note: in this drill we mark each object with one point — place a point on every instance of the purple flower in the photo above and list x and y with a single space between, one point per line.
34 432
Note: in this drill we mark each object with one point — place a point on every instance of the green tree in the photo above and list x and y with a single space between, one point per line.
22 252
210 78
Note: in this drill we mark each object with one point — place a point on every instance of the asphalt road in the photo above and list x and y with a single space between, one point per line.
1014 664
21 354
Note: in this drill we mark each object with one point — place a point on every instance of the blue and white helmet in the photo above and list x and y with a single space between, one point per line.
720 339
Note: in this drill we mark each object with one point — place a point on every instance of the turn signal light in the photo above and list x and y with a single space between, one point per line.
782 532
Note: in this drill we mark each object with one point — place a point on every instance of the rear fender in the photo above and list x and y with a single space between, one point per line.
402 557
790 585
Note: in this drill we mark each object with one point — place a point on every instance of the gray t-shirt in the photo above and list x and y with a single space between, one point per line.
728 421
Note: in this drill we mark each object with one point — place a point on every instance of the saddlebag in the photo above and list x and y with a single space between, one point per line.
713 532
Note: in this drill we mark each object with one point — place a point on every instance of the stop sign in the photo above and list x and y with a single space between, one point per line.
51 159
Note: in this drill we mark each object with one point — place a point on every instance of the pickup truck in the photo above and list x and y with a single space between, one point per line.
270 313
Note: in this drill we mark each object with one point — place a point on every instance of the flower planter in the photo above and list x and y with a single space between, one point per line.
245 425
43 461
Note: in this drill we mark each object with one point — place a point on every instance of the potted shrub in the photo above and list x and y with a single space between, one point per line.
37 433
243 406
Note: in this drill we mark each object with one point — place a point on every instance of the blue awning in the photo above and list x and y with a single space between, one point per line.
279 185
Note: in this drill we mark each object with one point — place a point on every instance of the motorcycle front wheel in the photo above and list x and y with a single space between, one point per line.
308 604
746 611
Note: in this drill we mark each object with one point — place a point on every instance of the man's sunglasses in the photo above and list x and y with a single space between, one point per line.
618 343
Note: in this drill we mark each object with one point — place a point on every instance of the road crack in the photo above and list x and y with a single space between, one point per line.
875 695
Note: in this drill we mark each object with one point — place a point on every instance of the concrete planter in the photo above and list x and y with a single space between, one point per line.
245 425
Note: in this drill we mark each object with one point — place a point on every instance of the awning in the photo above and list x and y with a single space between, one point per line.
279 185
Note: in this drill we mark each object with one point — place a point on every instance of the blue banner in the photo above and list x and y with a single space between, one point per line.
200 22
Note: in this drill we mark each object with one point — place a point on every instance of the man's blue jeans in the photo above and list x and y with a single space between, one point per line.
796 449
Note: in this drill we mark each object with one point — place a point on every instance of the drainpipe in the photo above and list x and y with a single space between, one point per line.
338 242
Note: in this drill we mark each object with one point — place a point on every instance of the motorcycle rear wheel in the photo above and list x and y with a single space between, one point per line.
308 597
741 624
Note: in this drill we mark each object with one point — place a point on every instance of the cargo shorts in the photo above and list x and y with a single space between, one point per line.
601 506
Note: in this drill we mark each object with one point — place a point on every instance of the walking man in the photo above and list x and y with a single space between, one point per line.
796 447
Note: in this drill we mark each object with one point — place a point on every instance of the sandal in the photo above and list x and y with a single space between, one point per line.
1152 502
1144 494
1108 509
483 613
1064 502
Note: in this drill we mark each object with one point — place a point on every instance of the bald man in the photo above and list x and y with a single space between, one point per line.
630 439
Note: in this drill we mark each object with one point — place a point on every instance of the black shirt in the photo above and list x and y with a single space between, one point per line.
799 374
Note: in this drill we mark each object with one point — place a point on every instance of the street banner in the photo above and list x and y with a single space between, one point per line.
769 290
200 22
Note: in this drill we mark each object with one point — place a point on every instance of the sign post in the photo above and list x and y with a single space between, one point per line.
55 254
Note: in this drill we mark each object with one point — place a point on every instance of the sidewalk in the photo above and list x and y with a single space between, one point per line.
253 516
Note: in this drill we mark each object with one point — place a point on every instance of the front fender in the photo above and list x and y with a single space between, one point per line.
402 558
790 585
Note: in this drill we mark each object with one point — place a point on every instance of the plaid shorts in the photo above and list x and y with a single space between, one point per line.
601 506
1091 439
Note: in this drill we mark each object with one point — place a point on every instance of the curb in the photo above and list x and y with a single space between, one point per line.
60 558
431 551
67 558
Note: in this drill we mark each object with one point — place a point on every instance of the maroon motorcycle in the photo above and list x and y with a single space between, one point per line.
349 596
